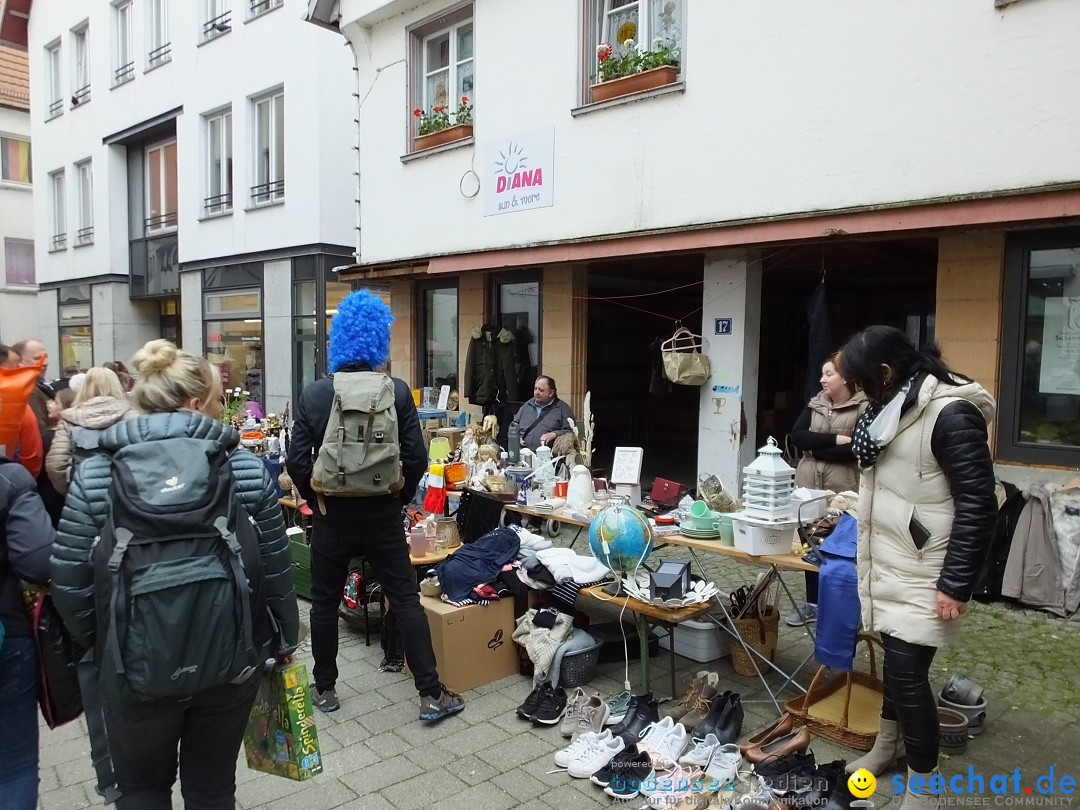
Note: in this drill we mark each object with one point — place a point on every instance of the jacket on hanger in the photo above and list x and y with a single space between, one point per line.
490 369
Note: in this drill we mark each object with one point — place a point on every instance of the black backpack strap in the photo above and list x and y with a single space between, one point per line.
237 566
123 538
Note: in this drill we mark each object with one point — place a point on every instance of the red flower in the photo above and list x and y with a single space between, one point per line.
464 99
417 112
437 108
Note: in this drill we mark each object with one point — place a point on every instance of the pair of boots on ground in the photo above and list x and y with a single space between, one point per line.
704 710
887 751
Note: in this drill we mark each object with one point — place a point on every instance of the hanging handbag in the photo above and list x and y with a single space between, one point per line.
58 655
683 361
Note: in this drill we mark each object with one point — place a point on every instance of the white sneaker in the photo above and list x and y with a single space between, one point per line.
579 744
652 735
592 716
701 753
723 766
668 788
575 702
666 747
595 755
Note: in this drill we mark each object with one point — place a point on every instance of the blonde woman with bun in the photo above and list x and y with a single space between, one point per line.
99 404
179 397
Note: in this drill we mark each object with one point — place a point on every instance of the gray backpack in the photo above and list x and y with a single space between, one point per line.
360 456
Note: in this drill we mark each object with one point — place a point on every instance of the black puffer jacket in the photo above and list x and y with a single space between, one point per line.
87 507
490 367
26 535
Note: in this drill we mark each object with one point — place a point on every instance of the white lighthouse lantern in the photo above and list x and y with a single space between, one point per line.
768 485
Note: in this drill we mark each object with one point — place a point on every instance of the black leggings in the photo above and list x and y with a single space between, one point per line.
909 699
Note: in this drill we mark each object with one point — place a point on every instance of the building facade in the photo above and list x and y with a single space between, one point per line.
916 161
18 284
195 161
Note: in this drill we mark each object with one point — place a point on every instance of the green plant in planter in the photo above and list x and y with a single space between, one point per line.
233 400
633 60
440 117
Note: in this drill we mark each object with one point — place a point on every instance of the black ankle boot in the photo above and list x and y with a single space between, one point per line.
647 713
729 726
716 709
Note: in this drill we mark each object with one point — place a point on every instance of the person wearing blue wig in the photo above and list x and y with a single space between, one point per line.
349 522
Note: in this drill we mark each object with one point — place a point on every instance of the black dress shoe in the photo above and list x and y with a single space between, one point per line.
840 797
647 713
729 726
822 781
708 723
636 701
780 771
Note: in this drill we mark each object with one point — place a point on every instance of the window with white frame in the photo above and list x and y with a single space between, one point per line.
157 33
19 261
161 187
217 18
80 65
15 164
445 77
651 24
84 203
259 7
219 163
54 80
269 169
58 199
123 61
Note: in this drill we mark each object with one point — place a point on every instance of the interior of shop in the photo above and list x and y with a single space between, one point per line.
634 304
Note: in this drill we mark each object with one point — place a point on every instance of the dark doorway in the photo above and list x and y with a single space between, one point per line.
889 282
632 305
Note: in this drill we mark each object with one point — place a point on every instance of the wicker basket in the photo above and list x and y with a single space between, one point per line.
845 708
759 634
579 667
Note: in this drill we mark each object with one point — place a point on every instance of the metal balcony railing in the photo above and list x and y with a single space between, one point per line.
59 241
267 192
218 203
157 222
262 6
80 96
84 235
218 25
161 55
123 73
56 107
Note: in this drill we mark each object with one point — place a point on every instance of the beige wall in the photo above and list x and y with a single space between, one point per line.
969 303
565 320
402 337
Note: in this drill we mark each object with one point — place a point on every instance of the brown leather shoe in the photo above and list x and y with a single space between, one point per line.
769 733
794 742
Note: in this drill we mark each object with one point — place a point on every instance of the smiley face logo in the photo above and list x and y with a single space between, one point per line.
862 783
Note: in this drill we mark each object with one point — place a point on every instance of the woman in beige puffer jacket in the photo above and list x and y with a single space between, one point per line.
926 518
100 403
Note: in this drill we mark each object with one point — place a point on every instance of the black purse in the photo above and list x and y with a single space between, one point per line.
58 657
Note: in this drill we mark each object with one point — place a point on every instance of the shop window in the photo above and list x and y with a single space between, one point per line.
169 320
76 327
517 308
15 163
19 262
234 338
305 339
1040 387
438 335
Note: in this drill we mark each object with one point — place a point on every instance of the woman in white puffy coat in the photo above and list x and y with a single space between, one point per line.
926 516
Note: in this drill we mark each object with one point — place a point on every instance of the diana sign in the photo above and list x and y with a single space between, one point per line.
519 173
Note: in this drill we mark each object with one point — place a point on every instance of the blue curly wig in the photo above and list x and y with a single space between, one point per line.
360 332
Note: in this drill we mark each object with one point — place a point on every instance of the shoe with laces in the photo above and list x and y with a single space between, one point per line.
529 706
591 716
723 766
579 744
575 703
666 788
758 797
700 709
327 701
701 753
664 740
552 706
594 755
801 615
603 776
446 704
628 773
618 705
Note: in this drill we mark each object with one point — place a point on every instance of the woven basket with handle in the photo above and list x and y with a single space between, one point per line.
844 708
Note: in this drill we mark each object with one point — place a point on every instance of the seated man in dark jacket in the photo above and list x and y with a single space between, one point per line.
543 418
363 526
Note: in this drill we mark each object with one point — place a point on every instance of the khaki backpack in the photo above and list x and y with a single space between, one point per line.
360 456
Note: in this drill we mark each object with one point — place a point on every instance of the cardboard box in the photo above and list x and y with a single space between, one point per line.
454 434
473 645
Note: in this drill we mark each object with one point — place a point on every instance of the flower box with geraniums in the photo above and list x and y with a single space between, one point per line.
441 126
634 70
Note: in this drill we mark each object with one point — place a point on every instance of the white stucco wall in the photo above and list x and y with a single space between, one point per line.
789 107
278 49
18 312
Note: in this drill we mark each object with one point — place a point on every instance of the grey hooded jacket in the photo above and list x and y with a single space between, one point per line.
1033 573
87 507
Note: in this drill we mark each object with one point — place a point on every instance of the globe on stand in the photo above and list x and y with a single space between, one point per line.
621 539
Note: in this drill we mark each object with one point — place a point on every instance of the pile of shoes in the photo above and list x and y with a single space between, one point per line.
704 710
545 705
795 782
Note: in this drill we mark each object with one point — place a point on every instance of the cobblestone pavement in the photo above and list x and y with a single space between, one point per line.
378 755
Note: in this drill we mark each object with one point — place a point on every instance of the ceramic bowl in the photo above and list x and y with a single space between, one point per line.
954 730
976 714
